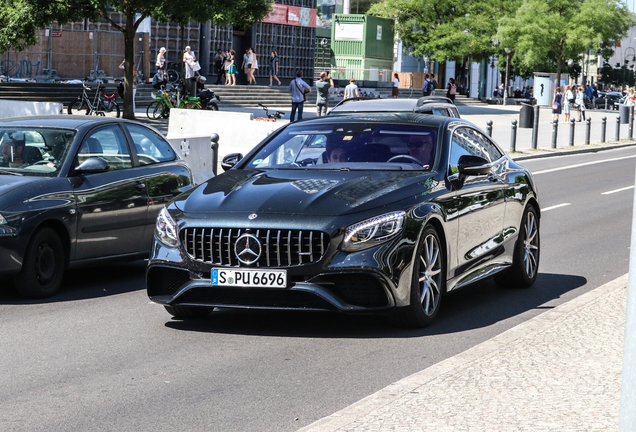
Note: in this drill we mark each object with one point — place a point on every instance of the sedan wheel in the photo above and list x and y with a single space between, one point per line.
525 263
428 283
43 265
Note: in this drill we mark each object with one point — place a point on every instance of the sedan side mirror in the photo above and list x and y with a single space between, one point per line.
93 165
473 165
230 160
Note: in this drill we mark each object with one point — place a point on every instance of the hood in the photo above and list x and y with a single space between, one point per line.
10 183
303 192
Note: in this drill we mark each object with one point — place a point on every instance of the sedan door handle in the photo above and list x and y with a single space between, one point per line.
140 186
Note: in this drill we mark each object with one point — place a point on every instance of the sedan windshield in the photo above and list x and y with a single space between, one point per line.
34 151
349 146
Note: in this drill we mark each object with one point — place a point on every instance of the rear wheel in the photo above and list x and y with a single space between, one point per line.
428 283
525 261
173 76
155 110
43 265
188 312
78 106
213 106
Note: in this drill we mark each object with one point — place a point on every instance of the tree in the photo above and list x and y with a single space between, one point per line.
543 31
19 19
447 29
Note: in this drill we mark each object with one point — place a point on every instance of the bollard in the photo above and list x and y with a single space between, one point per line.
588 129
489 128
555 131
214 145
618 128
535 127
513 136
630 132
572 126
603 128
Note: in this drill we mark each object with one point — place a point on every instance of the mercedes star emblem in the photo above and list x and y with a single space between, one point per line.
247 249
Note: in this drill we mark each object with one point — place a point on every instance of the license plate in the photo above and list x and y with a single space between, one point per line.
249 278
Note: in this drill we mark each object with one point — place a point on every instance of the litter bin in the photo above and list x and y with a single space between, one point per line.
624 113
526 116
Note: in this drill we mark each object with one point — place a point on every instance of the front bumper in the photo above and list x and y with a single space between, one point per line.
11 252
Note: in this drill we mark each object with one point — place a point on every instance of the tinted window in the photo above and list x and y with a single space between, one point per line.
468 141
107 143
34 151
151 148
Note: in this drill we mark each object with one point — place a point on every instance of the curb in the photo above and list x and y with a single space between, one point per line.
410 384
591 148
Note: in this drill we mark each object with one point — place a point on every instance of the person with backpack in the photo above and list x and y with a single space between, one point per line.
426 86
451 89
298 89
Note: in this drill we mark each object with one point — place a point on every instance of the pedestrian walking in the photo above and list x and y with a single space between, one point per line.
232 69
352 91
426 86
254 66
248 62
161 63
556 104
219 60
189 59
396 86
568 101
580 102
273 68
451 89
299 89
322 93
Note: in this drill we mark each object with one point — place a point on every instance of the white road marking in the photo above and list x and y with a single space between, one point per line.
581 165
554 207
617 190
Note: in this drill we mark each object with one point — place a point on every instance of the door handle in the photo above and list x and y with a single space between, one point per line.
140 186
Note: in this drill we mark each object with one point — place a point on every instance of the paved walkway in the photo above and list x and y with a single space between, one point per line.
560 371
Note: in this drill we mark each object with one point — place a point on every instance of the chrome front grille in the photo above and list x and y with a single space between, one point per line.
279 248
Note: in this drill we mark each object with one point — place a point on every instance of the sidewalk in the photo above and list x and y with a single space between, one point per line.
560 371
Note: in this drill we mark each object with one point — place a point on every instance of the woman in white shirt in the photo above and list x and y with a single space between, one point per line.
567 103
189 58
396 86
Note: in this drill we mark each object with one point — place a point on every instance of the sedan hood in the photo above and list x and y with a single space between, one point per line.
303 192
11 182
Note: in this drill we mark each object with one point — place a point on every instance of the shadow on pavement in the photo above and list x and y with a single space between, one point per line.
89 282
480 305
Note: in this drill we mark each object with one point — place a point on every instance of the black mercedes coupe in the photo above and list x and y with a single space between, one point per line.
79 190
359 213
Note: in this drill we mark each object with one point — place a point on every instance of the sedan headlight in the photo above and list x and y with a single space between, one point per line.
2 219
372 232
166 229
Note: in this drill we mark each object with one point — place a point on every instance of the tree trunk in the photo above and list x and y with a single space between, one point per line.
559 66
129 66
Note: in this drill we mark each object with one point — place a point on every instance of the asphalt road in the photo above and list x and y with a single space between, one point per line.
101 357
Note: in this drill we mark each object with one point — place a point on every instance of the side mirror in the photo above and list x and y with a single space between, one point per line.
93 165
230 160
473 165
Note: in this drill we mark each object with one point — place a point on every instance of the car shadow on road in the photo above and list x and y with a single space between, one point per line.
480 305
88 282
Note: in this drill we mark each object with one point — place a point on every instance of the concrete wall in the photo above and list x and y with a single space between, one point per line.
9 108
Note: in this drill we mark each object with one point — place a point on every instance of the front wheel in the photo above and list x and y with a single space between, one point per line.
188 312
155 110
43 265
78 106
525 261
428 282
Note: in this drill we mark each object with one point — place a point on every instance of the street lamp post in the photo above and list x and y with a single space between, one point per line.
508 51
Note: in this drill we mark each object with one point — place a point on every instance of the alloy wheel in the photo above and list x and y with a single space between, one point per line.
430 278
531 245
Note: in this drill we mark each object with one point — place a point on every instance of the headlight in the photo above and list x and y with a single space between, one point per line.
166 229
372 232
2 220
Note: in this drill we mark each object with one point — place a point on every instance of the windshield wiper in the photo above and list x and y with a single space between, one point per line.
10 173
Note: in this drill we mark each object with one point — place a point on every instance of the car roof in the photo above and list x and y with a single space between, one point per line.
383 105
61 121
406 118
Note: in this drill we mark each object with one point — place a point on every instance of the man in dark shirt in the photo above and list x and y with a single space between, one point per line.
322 96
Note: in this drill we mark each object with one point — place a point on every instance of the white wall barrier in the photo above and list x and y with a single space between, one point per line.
11 108
189 133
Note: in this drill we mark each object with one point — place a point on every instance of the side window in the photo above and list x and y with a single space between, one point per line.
491 149
107 143
466 142
151 148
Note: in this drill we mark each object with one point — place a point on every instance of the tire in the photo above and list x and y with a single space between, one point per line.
173 76
525 262
78 106
43 265
214 107
428 283
188 312
155 110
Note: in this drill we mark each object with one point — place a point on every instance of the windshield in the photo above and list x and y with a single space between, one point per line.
349 146
34 151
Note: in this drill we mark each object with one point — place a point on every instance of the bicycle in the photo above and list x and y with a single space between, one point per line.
100 105
172 72
165 101
270 117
